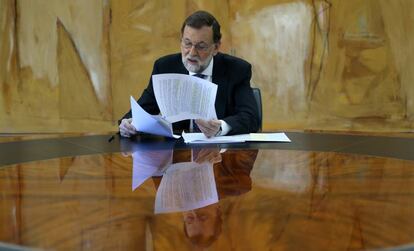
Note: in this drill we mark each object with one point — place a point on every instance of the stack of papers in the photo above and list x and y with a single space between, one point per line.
179 97
200 138
152 124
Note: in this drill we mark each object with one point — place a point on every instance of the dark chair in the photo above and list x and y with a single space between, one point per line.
258 97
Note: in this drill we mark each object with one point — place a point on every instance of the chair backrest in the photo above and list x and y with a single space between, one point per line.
258 97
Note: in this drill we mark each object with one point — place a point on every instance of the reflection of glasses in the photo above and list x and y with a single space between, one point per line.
190 218
199 47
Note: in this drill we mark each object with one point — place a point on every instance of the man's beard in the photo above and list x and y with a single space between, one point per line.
197 68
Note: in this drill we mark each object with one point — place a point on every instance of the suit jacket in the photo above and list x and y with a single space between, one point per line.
235 102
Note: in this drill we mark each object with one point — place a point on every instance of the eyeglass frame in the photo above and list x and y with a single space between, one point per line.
188 45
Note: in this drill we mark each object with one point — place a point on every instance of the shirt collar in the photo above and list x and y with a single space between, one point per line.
207 71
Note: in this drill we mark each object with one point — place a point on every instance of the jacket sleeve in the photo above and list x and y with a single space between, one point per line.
244 116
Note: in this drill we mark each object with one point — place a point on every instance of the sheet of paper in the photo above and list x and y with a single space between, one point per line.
148 163
186 186
181 96
145 122
269 137
200 138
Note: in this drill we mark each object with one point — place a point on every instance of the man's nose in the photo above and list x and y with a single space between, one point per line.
193 51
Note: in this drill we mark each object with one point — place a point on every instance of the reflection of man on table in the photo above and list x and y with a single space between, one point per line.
202 226
235 104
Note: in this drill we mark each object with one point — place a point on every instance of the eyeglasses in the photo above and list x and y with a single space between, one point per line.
199 46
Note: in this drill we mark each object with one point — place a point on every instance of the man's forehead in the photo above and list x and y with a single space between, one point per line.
205 33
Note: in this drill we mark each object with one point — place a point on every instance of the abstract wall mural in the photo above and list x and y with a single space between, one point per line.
57 68
70 65
280 45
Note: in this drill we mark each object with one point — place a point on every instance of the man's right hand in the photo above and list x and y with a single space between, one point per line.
211 155
126 129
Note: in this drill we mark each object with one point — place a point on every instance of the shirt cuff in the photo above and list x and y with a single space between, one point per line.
225 128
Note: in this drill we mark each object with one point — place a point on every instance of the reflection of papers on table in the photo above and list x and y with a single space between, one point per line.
181 96
186 186
146 164
200 138
153 124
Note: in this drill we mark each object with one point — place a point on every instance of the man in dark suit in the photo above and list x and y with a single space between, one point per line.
235 104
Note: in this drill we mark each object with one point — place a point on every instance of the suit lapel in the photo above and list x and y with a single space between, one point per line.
179 66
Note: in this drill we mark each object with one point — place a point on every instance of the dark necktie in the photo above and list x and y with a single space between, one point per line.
199 75
195 127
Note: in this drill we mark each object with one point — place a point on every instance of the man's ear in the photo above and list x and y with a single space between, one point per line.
216 48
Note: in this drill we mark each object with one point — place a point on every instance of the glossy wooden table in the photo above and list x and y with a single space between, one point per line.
320 192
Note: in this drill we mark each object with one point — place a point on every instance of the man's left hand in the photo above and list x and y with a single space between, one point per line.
209 127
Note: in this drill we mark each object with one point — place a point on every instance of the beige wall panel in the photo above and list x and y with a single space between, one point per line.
399 31
38 38
22 94
277 40
74 77
8 70
360 85
40 100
